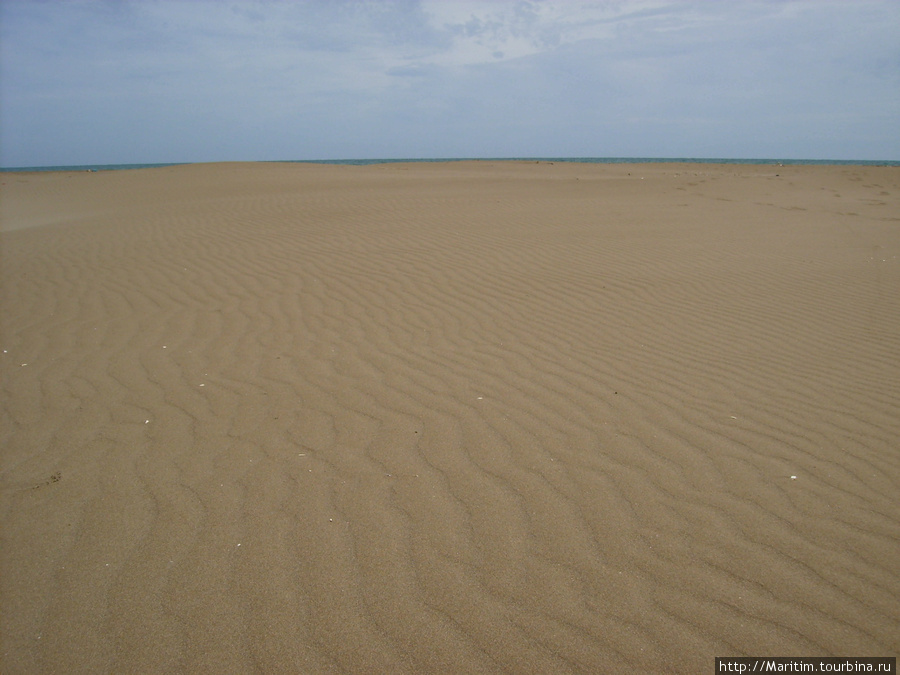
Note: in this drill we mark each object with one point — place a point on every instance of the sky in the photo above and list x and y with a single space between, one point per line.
147 81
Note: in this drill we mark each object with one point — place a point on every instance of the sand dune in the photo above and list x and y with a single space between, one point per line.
475 417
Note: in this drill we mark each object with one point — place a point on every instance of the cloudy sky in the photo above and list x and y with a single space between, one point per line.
142 81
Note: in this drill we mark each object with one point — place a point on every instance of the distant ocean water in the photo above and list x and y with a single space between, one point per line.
584 160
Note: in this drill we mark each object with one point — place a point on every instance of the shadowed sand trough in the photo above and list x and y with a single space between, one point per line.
441 418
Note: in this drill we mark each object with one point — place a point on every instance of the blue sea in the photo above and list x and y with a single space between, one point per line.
585 160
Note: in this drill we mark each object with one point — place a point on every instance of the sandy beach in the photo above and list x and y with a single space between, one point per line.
468 417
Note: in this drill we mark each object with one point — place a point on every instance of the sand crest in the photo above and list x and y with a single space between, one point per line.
474 417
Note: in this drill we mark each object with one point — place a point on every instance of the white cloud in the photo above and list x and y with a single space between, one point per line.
483 32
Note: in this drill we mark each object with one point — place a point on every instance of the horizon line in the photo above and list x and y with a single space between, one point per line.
399 160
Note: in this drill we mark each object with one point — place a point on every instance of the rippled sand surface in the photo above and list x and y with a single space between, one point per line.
474 417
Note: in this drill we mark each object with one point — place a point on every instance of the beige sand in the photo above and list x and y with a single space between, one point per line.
473 417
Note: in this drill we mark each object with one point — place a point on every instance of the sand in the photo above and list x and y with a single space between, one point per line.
473 417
